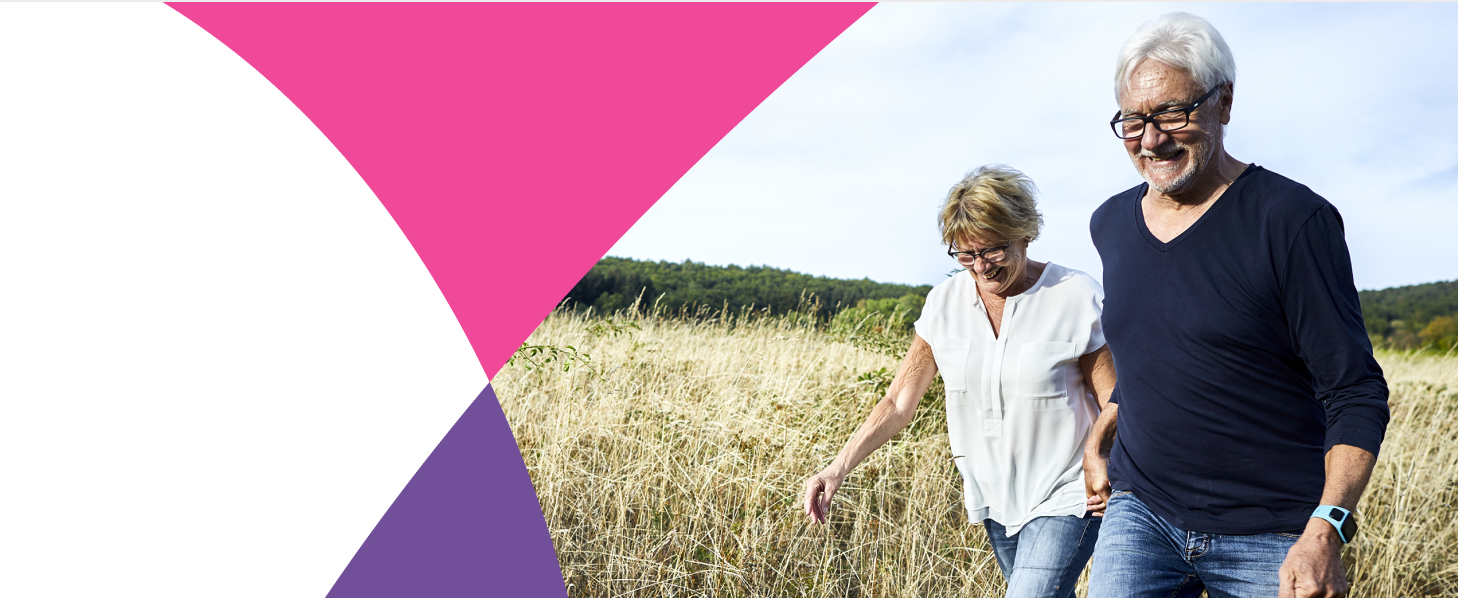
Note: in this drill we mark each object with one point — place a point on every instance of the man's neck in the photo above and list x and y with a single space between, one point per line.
1169 216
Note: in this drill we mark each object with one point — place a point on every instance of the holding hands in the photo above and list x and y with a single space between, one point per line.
1098 371
1096 483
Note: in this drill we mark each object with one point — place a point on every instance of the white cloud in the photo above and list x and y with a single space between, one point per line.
840 171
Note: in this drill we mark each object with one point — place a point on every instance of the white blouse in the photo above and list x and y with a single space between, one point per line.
1018 412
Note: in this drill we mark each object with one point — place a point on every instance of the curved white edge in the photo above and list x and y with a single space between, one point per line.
220 359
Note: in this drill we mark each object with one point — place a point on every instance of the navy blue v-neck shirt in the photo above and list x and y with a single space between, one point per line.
1241 356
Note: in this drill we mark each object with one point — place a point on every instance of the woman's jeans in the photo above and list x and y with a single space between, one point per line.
1141 555
1046 556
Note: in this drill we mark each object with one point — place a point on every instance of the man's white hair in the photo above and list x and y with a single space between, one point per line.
1181 40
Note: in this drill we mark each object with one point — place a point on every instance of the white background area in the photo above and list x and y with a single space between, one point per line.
220 359
840 172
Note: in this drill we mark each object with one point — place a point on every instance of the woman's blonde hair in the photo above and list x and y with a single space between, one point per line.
992 203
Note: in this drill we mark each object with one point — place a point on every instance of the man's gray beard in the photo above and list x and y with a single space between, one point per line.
1201 154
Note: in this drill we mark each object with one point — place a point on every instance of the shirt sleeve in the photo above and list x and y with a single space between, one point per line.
1327 330
925 325
1096 328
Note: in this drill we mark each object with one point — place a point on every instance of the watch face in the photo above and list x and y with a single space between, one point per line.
1349 528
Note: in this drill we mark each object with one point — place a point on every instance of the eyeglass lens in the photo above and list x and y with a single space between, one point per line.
1164 121
991 255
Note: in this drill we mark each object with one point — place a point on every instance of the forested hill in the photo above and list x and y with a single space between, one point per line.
1421 315
615 283
1410 317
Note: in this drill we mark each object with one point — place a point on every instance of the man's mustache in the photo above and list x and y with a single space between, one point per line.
1161 153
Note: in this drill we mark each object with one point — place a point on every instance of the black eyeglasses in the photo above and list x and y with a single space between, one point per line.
991 254
1169 120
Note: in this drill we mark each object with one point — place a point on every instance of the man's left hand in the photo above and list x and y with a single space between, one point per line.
1313 567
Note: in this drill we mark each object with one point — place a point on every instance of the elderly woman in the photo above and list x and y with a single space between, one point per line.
1022 356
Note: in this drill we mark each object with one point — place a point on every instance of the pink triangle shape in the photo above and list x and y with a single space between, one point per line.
515 143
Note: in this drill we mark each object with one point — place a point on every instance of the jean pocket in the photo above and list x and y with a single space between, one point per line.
1293 535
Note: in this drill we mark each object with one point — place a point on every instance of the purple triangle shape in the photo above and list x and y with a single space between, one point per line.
469 520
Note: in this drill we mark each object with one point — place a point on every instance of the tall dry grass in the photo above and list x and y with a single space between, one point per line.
671 464
1408 544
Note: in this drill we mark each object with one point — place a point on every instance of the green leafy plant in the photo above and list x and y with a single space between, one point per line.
868 330
890 345
878 381
611 328
538 357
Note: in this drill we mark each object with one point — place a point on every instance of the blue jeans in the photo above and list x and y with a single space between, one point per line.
1046 556
1141 555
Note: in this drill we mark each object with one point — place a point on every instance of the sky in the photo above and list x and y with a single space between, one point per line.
840 172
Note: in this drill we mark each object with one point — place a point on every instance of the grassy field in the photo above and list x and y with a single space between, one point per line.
670 454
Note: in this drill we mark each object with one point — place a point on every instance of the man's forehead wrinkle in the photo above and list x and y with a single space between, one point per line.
1156 82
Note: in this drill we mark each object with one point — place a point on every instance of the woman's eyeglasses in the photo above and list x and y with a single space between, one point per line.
991 254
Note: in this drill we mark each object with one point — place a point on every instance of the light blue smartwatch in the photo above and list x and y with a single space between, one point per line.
1341 519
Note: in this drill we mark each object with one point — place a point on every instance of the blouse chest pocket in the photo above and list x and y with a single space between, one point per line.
951 356
1042 373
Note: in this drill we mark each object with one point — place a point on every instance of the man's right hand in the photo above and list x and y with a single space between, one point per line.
1096 482
819 489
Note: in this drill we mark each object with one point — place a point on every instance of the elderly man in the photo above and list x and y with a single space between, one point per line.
1249 408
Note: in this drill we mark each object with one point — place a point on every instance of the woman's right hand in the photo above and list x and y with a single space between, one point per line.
819 489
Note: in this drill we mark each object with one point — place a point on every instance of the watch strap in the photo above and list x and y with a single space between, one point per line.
1341 519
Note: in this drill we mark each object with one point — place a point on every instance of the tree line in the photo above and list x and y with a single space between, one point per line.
1410 317
1413 317
616 283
